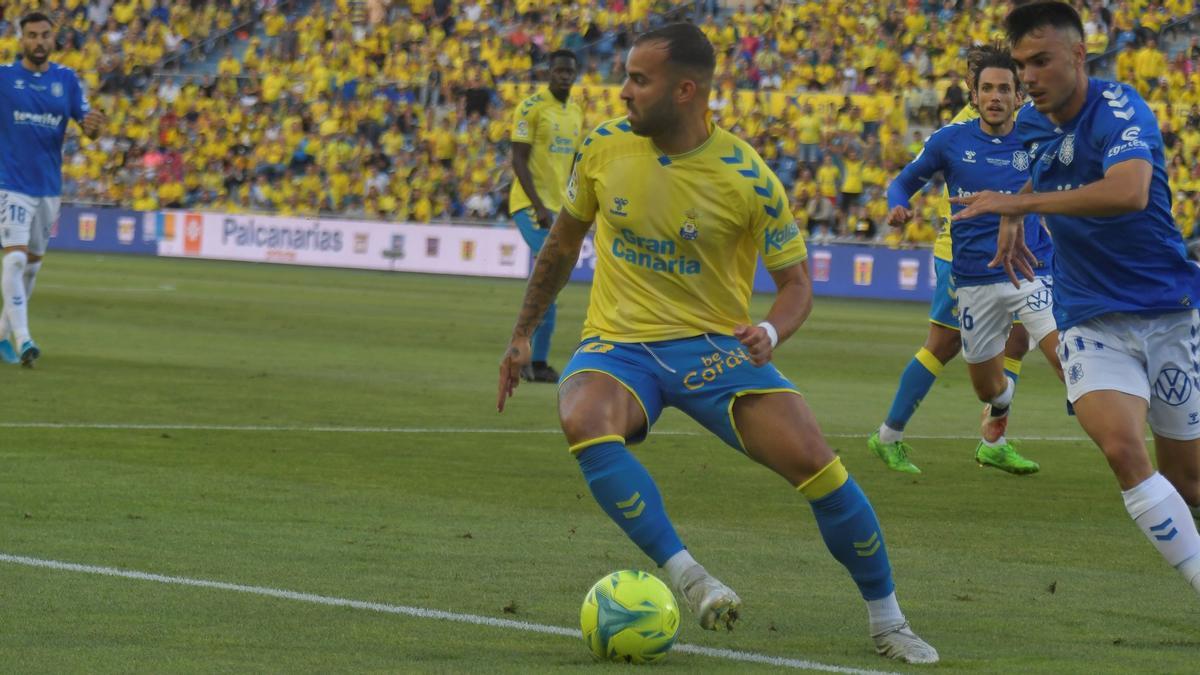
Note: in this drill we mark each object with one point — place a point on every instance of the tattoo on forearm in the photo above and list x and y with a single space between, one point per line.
550 274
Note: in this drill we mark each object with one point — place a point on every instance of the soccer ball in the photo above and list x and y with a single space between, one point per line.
629 616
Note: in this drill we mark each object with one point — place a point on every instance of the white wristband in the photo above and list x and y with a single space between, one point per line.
771 332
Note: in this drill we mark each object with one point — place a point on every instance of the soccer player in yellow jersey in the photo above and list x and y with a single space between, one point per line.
545 133
943 342
682 210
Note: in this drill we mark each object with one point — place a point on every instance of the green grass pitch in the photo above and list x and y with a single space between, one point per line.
1002 574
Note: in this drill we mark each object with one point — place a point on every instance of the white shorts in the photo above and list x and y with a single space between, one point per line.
986 314
27 221
1152 356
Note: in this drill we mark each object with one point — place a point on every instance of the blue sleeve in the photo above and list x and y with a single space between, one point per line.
918 172
1126 127
79 102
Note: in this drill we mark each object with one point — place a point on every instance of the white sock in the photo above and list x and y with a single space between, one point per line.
1004 400
999 442
1164 517
890 435
677 565
12 284
30 277
884 614
31 271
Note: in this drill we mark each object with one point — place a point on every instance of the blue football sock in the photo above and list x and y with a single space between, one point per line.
850 529
542 334
627 493
915 383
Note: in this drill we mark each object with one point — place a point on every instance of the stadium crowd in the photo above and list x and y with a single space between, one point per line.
401 110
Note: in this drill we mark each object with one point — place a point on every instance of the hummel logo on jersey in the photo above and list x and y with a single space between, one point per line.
19 84
969 156
1116 100
1173 386
619 204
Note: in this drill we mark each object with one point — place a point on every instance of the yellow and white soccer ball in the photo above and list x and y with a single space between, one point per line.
629 616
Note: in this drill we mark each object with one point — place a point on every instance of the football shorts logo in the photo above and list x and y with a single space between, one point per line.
1020 160
1075 373
1066 153
1038 300
1173 386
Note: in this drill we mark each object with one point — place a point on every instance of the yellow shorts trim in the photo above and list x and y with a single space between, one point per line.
645 415
828 479
580 447
930 361
747 392
1012 365
945 325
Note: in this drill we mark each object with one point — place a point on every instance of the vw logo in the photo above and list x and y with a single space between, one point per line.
1173 386
1038 300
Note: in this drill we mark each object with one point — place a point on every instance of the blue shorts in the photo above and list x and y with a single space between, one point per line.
702 376
527 223
944 309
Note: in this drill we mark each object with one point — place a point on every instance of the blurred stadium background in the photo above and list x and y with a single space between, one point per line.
400 111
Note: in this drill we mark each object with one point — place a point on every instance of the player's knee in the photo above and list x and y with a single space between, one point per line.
944 344
989 388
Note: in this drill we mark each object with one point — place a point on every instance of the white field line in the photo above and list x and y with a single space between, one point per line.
116 426
417 612
162 288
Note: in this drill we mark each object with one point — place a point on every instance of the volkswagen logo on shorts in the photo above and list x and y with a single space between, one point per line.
1038 300
1075 372
1173 386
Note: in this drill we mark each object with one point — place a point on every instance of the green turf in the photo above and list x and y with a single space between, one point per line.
1002 574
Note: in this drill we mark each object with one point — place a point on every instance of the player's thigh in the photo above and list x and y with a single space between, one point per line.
985 319
45 215
1172 348
1018 342
17 215
606 389
943 308
779 431
527 224
1106 382
755 410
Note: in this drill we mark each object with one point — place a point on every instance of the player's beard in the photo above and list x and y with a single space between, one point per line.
654 120
35 58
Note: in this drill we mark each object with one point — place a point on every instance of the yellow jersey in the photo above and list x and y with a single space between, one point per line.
677 236
553 130
943 248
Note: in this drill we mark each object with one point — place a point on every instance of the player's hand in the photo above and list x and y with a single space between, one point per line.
516 357
1011 251
757 343
899 216
986 201
93 123
545 218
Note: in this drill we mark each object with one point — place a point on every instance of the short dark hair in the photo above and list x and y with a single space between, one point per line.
34 17
1022 20
990 56
687 46
563 54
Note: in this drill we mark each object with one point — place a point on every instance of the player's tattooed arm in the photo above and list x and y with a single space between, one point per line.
550 274
551 271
